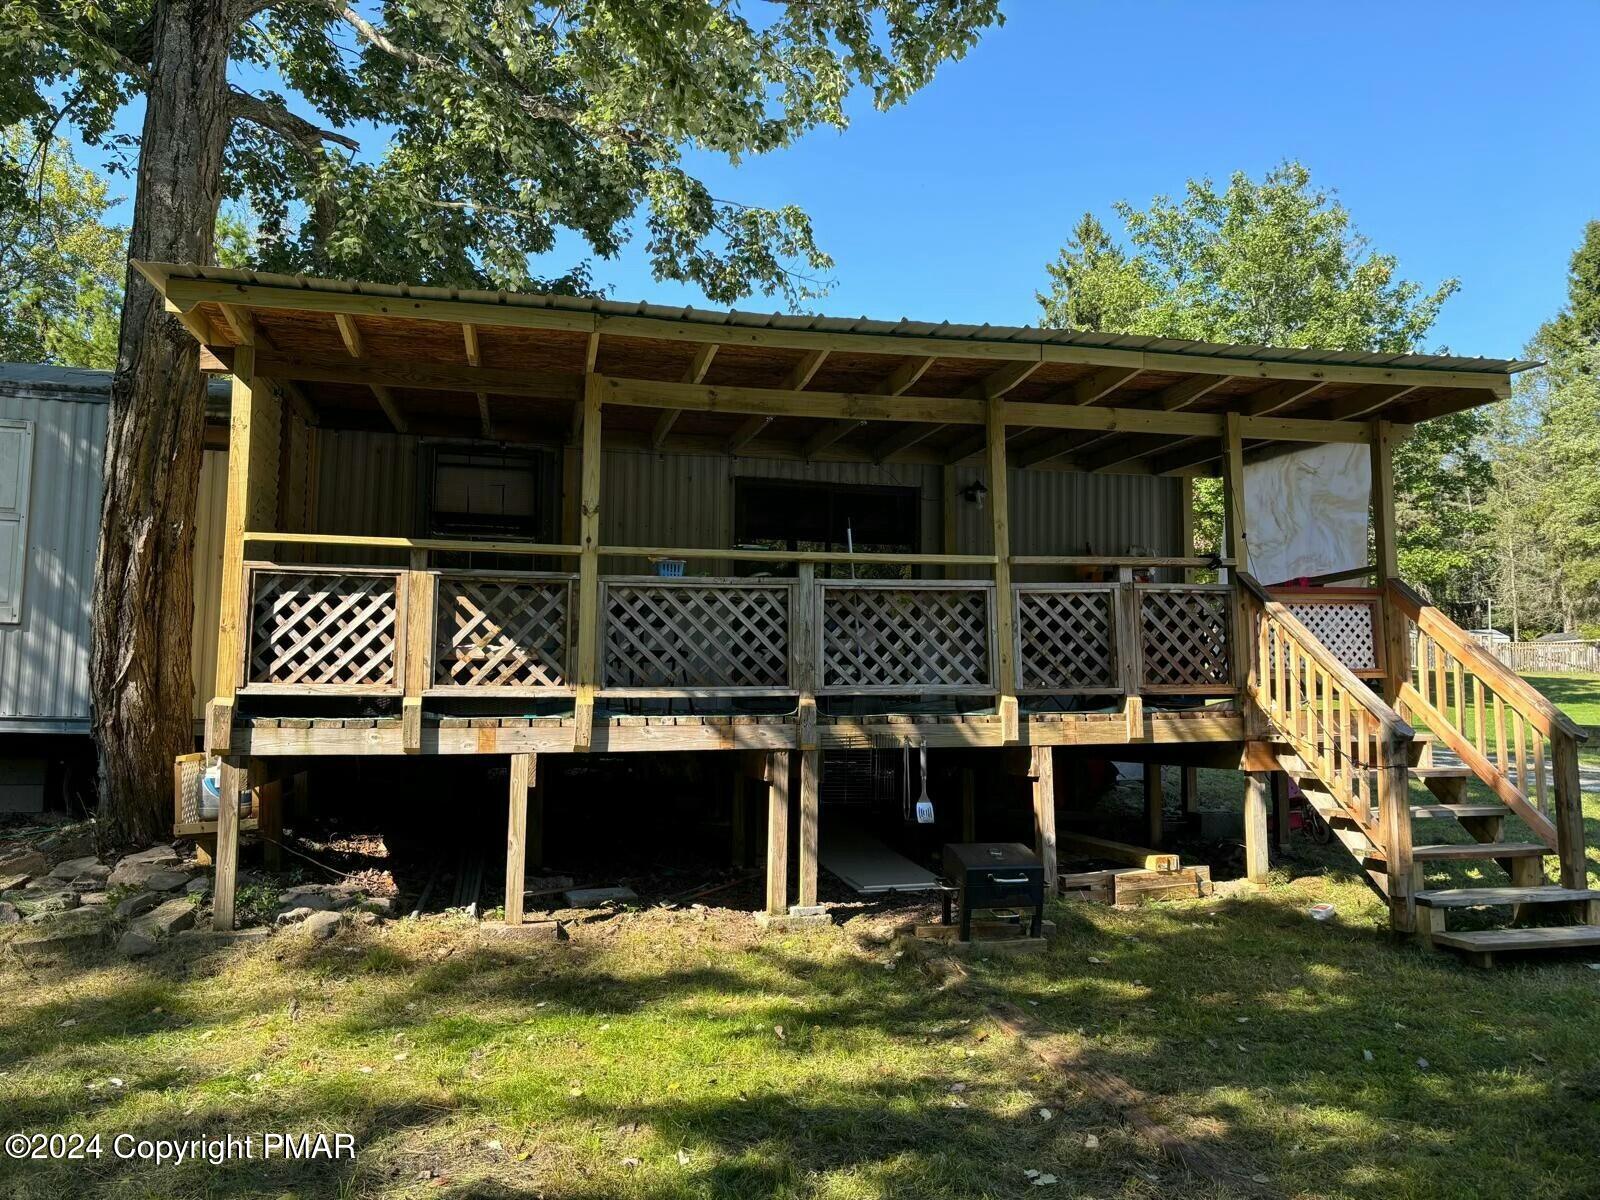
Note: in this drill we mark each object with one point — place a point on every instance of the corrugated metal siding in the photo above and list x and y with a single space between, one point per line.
367 484
211 509
687 499
44 659
1071 512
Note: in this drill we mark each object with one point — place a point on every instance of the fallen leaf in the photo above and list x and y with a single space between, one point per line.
683 1158
630 1162
1091 1142
1044 1180
1423 1063
1045 1114
1366 1055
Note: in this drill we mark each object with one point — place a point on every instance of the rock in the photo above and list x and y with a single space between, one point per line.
94 898
23 861
211 939
167 881
158 855
323 925
67 933
294 916
137 904
8 913
200 885
74 867
318 896
52 902
383 906
366 918
165 918
136 943
594 897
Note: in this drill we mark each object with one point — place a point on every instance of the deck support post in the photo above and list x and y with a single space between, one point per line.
253 439
1257 791
1280 809
736 817
1568 787
416 649
1396 645
1004 648
778 833
1043 770
969 805
225 880
1189 790
524 768
524 776
1154 829
804 667
1235 533
589 615
810 790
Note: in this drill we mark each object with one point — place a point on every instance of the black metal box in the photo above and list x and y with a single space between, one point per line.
994 875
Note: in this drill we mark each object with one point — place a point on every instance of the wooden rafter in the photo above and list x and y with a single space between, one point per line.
1189 452
427 376
748 431
1364 403
1097 387
1281 395
386 401
591 352
240 323
1187 391
903 438
804 370
901 378
830 433
350 334
1051 447
696 371
469 336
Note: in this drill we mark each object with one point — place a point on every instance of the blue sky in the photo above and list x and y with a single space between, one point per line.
1462 136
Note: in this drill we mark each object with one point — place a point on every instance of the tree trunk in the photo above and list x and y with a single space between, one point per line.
144 591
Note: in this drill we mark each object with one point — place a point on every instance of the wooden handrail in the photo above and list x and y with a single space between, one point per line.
414 543
798 556
1126 560
1522 695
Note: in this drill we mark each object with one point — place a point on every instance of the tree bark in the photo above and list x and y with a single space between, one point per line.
144 591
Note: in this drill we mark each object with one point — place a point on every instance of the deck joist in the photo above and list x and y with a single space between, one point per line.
274 736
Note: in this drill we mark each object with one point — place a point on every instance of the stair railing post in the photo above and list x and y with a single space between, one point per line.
1569 810
1394 818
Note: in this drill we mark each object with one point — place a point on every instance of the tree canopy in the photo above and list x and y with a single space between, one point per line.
1279 261
60 264
501 127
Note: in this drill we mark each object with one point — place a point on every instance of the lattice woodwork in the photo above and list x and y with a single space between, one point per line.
1186 637
1344 627
716 635
502 632
324 629
1066 639
887 637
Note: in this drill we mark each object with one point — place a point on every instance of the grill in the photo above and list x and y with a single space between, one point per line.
994 875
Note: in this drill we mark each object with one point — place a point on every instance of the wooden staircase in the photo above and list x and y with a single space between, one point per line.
1354 757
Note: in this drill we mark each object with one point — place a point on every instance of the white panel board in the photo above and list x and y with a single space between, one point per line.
1306 513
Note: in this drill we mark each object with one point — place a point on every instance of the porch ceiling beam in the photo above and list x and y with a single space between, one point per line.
903 438
803 371
1280 396
591 352
1002 381
427 376
1050 448
240 323
469 337
391 409
1183 394
694 373
903 376
194 321
349 333
1098 386
1363 403
185 293
485 416
1117 451
830 433
747 432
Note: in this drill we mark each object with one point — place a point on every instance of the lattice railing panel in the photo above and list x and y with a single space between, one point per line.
1066 639
324 629
1344 627
502 632
885 637
1186 636
716 635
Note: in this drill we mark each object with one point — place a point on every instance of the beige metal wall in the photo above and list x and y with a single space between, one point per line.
210 510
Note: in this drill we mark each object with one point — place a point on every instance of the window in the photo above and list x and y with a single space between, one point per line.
782 515
16 475
491 495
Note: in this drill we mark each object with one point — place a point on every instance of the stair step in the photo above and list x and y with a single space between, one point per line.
1466 850
1550 937
1426 773
1437 812
1488 896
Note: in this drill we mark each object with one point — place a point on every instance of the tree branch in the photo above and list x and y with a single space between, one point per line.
285 124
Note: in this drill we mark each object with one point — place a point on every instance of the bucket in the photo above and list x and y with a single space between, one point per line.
211 794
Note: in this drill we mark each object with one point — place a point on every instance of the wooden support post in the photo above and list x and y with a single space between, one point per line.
524 768
226 878
1189 790
1154 825
1237 544
253 434
1186 524
805 649
778 833
969 805
267 804
810 783
1042 769
1570 844
589 615
1394 821
1257 791
417 649
1280 809
1005 648
1396 642
1127 617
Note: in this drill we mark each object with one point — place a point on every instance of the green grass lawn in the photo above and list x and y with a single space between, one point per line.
643 1058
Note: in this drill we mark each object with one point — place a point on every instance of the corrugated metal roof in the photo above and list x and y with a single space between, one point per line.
792 322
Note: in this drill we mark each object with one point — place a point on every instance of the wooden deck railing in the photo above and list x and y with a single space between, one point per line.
1347 620
687 637
1353 742
1499 725
888 636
